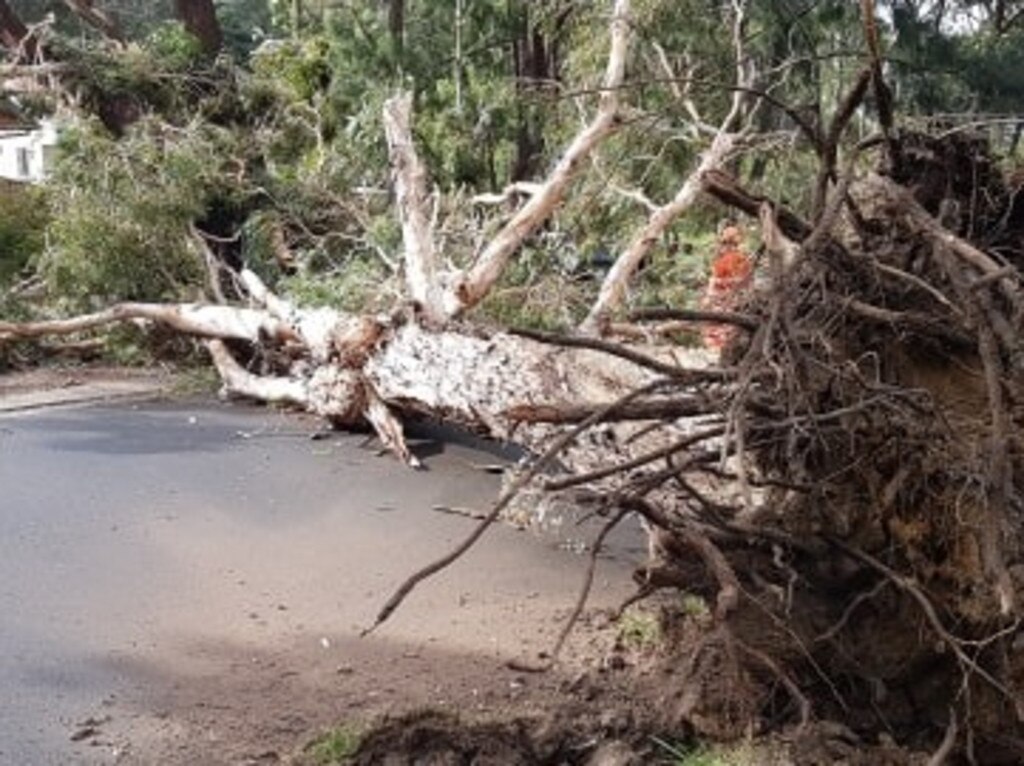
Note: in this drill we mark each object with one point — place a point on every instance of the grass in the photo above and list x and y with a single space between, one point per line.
703 755
639 630
334 747
694 606
198 380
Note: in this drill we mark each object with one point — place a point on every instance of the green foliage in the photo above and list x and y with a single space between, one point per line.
125 210
136 18
706 755
361 285
335 747
300 68
245 24
694 606
24 215
948 62
173 48
125 346
639 630
196 381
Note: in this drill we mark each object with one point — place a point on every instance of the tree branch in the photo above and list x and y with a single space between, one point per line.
492 261
193 319
410 178
616 282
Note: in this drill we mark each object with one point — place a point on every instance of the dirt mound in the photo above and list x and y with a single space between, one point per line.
431 737
438 738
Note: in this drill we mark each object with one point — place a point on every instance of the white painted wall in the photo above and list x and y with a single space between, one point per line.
28 155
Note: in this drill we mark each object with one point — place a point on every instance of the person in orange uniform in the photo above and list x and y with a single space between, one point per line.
732 272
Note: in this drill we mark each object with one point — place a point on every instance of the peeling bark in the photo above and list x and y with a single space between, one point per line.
480 381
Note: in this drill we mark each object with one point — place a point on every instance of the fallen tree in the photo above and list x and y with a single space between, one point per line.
844 489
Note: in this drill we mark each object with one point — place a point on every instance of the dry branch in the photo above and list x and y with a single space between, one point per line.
728 191
240 381
193 319
675 407
745 321
410 179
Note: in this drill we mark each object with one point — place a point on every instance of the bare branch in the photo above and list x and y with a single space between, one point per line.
193 319
746 321
17 71
410 178
240 381
941 756
19 40
725 189
613 289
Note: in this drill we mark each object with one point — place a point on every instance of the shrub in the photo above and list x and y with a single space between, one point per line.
24 215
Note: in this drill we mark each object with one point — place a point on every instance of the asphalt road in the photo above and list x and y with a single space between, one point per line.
151 552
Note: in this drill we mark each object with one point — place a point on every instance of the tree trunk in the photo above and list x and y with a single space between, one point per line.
410 178
352 369
536 68
296 19
200 18
396 25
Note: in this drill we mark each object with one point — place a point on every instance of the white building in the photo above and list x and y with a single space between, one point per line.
27 150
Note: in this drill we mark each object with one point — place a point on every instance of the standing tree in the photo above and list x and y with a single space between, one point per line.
200 19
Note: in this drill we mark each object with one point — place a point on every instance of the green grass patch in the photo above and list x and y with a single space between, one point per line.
334 747
639 630
706 755
199 380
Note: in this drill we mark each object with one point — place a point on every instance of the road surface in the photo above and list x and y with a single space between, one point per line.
185 583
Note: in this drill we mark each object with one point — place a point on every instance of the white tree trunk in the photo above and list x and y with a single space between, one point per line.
372 370
479 381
